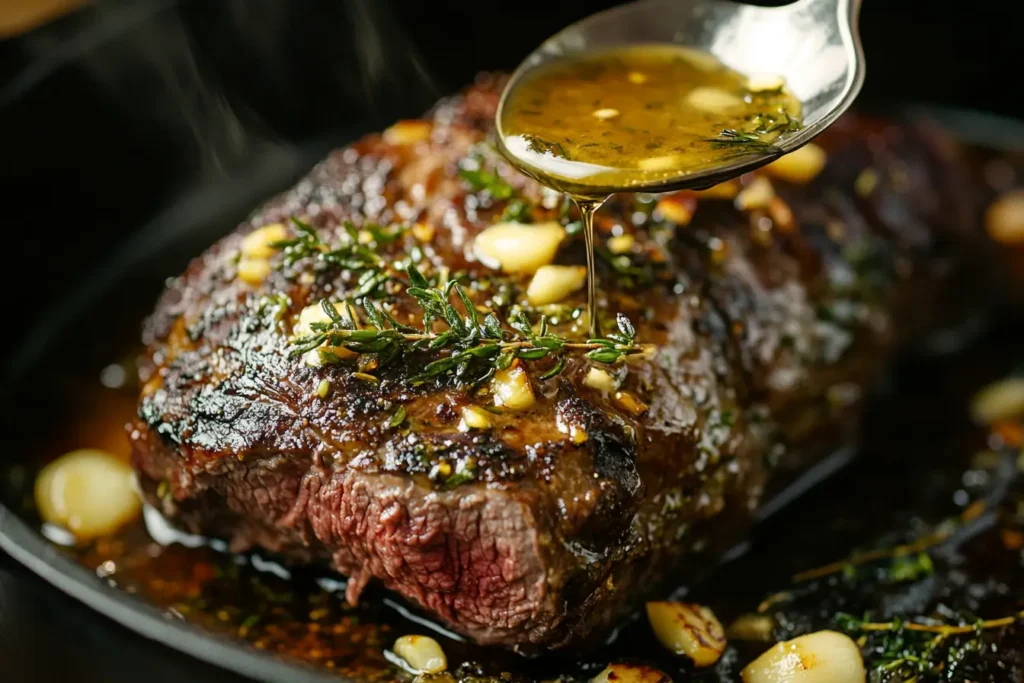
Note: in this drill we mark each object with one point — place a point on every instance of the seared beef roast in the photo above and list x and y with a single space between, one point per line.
769 313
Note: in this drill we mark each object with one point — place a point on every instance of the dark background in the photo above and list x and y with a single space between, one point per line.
113 113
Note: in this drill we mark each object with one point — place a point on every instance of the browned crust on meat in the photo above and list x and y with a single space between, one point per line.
757 352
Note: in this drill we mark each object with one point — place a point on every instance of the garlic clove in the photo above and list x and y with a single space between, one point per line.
688 629
712 100
630 673
677 208
511 388
820 657
599 379
621 244
90 493
752 627
757 194
519 247
1004 219
422 654
407 132
800 166
258 244
551 284
253 271
1003 400
474 417
303 327
424 232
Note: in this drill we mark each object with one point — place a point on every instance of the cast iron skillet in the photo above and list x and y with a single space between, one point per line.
160 249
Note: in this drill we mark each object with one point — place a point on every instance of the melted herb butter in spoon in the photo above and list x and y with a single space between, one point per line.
636 117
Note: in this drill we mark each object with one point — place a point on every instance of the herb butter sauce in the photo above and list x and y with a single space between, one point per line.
610 121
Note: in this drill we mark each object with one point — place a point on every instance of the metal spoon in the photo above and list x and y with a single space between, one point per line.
813 44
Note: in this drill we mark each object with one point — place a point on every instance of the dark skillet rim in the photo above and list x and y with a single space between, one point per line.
28 547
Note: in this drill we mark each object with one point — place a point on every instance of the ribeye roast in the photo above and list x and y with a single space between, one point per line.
769 311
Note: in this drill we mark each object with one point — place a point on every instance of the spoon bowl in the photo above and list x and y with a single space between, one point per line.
813 44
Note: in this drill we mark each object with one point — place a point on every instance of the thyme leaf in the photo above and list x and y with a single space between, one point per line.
480 180
517 211
631 274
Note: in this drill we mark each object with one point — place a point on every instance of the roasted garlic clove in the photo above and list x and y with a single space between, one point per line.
800 166
551 284
821 657
688 629
511 388
630 673
519 247
88 492
422 654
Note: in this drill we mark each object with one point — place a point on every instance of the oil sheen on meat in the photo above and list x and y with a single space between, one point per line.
771 304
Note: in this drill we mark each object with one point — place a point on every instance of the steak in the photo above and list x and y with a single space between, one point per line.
769 313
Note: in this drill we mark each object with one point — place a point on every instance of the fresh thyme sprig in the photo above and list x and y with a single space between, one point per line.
854 624
900 551
942 533
930 646
477 347
904 650
353 255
